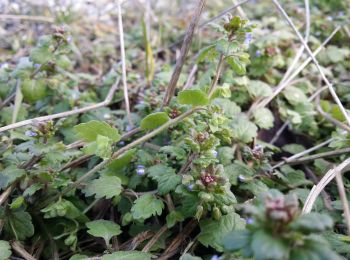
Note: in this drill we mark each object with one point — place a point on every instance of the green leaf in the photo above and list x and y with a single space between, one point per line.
41 54
313 222
165 176
243 130
103 228
238 65
194 97
213 232
128 255
105 186
173 217
146 206
5 250
32 189
9 175
236 240
229 107
16 203
64 208
33 90
102 147
294 95
78 257
190 257
266 246
154 120
263 117
19 224
89 131
293 148
208 53
258 88
122 161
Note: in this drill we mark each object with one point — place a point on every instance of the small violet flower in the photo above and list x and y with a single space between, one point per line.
37 65
214 153
190 187
129 128
249 221
248 38
30 133
241 178
329 18
214 257
258 53
140 170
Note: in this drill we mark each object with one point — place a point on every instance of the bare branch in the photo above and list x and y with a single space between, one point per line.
27 17
122 52
183 53
317 189
344 199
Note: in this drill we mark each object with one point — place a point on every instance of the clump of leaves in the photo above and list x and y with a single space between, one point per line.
276 230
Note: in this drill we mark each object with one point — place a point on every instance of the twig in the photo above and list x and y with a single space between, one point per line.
27 17
181 236
318 156
325 196
217 75
316 190
183 53
154 239
122 52
7 100
344 199
64 114
18 248
191 77
298 155
302 47
330 87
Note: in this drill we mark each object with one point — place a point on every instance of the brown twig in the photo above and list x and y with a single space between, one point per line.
344 199
325 196
317 189
183 53
175 244
19 249
154 239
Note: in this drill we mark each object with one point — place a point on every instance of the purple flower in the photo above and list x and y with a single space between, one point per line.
140 170
37 66
69 39
249 221
214 153
329 18
30 133
241 178
341 13
248 38
122 143
190 187
129 128
214 257
258 53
